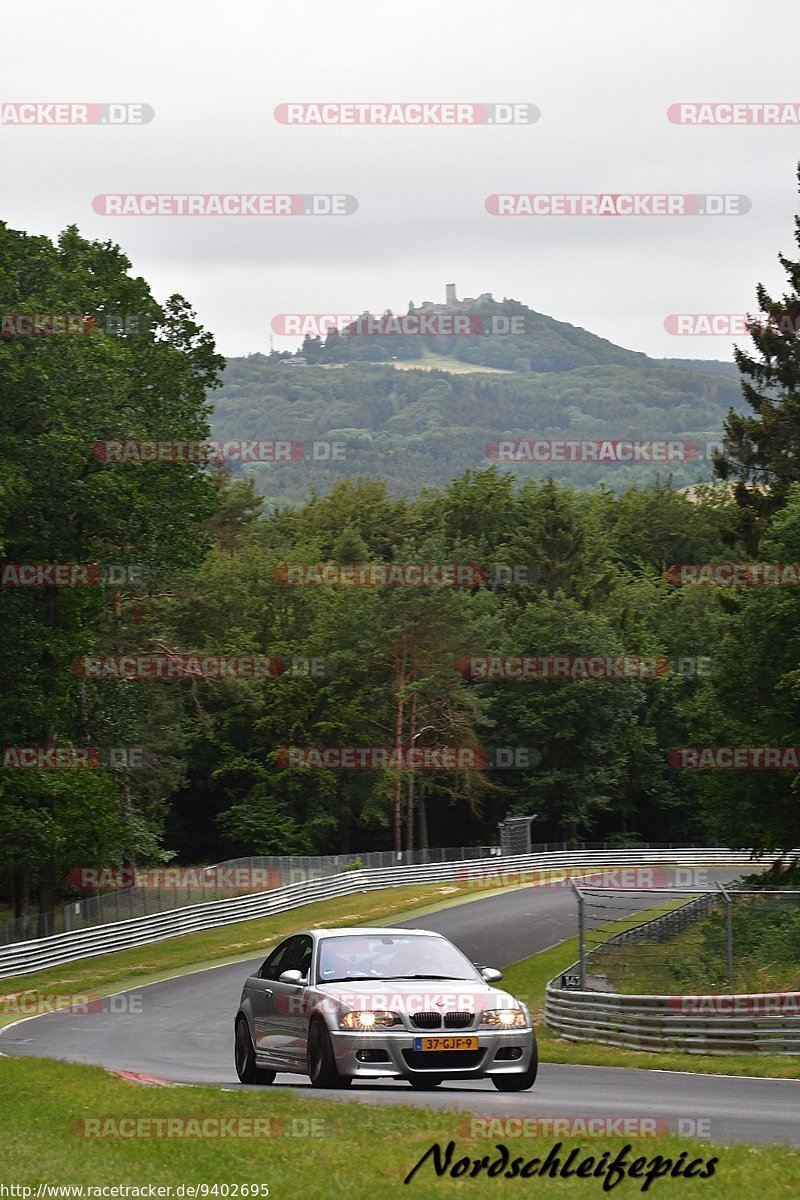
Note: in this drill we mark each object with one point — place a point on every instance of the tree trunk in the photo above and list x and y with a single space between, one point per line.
423 819
47 897
399 683
22 889
412 730
47 872
129 858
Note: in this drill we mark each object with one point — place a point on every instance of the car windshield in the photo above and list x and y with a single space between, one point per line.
390 956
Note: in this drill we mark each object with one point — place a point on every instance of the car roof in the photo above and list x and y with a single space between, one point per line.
370 931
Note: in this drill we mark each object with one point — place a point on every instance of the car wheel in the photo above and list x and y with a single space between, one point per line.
518 1083
245 1057
424 1082
321 1062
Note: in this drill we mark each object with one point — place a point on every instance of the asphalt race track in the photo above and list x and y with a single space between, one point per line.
181 1030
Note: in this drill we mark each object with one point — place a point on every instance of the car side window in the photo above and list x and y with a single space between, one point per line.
301 959
274 963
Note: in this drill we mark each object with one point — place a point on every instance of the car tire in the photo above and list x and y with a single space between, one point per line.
519 1083
425 1082
244 1057
322 1069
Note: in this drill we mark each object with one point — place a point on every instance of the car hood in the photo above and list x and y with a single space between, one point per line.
416 995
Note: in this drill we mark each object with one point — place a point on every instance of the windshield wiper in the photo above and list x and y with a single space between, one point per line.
452 978
352 979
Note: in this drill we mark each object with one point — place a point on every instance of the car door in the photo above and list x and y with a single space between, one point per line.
271 1035
290 1003
296 998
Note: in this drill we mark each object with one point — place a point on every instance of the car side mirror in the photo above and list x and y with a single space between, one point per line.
491 974
291 977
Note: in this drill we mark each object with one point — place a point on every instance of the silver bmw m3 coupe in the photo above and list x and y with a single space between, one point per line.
359 1003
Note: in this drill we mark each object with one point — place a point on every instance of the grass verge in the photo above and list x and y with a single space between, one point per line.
356 1151
528 979
766 939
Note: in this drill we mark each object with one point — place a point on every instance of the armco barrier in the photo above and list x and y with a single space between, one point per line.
763 1023
174 887
768 1023
23 957
166 888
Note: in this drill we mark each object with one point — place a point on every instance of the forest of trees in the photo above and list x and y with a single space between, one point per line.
365 665
414 428
412 409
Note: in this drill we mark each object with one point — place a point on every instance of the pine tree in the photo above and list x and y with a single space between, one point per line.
761 452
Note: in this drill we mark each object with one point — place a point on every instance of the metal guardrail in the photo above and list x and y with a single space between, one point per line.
255 874
295 868
235 876
755 1023
767 1023
23 957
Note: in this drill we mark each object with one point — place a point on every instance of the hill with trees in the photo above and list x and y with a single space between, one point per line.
214 773
414 428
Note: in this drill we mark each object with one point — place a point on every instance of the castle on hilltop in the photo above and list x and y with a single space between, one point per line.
452 304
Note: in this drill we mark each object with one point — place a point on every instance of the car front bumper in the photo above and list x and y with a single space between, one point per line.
357 1054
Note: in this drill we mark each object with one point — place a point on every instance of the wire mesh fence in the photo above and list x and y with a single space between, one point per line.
727 939
161 889
164 889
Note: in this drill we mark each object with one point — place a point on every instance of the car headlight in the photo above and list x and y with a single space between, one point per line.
364 1019
504 1018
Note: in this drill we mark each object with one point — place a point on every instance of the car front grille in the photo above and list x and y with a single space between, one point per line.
427 1020
457 1020
435 1020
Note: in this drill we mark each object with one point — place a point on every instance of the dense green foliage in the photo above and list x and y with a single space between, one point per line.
216 781
766 952
761 448
59 503
416 428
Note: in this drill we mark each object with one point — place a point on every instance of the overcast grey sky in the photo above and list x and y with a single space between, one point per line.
602 74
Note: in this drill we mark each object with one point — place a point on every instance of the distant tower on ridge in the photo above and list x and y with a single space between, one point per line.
450 289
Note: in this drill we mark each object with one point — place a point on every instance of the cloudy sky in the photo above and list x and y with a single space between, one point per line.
602 74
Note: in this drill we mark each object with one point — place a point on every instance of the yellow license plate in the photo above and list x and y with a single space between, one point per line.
446 1043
